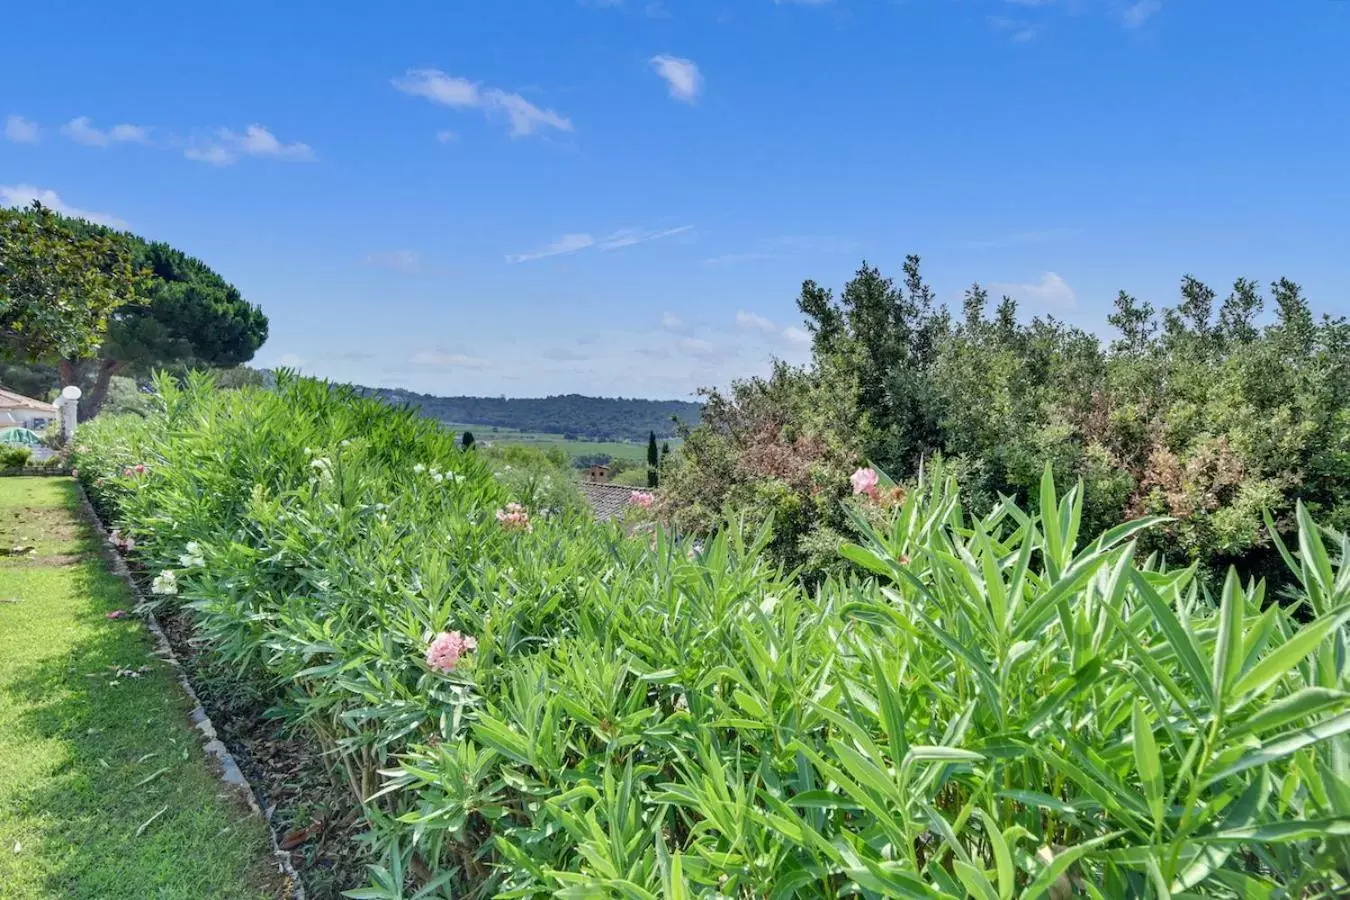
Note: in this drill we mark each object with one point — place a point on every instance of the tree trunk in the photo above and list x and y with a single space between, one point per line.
70 373
92 402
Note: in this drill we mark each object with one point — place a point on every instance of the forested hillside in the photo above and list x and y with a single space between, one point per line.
595 418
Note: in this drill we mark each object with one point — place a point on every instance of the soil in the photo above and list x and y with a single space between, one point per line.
315 817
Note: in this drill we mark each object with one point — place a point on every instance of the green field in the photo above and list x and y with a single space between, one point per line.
619 449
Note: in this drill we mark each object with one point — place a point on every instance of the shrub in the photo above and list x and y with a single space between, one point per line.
14 457
1002 707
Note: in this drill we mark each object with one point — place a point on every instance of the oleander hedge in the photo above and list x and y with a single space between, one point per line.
534 705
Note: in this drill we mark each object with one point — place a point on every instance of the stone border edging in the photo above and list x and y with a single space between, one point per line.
231 774
31 471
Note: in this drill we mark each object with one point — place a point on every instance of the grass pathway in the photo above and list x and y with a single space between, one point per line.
104 790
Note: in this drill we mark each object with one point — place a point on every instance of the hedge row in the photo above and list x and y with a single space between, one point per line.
530 705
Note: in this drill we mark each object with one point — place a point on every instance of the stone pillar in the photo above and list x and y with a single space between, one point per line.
67 407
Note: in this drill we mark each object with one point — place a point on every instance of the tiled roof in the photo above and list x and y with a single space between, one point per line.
608 500
11 400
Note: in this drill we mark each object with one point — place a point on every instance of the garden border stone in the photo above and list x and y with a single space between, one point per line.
230 773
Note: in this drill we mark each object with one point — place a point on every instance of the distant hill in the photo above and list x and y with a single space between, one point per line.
591 418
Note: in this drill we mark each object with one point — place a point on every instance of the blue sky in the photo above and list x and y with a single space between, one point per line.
622 196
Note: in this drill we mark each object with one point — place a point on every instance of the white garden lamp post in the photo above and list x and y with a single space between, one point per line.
68 405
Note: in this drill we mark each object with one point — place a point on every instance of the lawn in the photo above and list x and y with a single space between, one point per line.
104 790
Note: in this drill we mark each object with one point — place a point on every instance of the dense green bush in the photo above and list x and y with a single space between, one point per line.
1208 412
534 706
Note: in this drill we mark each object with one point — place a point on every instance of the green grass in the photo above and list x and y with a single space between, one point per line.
87 757
621 449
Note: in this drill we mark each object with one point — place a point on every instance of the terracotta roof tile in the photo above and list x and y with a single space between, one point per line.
608 500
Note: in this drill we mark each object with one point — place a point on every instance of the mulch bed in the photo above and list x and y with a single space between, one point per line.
314 816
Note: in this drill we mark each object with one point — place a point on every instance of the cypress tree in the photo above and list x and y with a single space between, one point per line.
653 461
466 440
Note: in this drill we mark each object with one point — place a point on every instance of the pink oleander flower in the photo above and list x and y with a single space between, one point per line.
865 482
127 473
118 614
99 482
140 469
446 648
514 518
642 499
74 473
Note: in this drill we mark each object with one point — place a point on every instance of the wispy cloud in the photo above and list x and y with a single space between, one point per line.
24 194
626 237
227 147
568 243
443 360
446 136
797 335
82 131
573 242
1136 14
671 322
1052 292
21 130
460 93
681 75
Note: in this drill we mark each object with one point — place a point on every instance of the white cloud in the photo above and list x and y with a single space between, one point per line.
1136 14
24 194
444 360
21 130
568 243
446 136
256 141
681 75
797 335
290 361
459 93
1051 291
571 243
82 131
671 322
755 322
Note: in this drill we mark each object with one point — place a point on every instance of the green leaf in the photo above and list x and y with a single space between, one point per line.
1293 708
1278 662
975 881
1047 877
1147 763
1285 746
1176 635
1003 864
1228 643
1281 832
